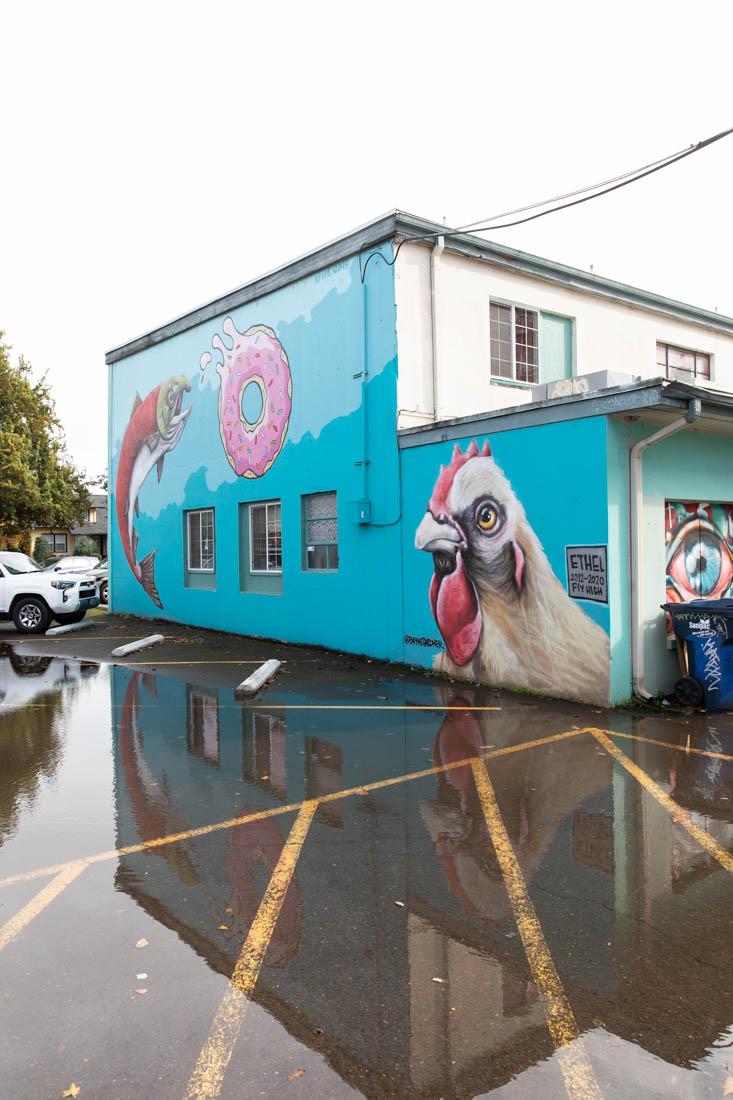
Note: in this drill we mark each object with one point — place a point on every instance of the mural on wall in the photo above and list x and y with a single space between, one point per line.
504 616
255 397
698 540
155 427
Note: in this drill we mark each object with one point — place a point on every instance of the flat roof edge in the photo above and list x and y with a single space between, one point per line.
648 394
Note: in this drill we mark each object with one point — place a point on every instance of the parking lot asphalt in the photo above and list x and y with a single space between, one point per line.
364 881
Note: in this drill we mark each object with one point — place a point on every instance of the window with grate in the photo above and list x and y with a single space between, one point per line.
320 531
681 364
201 548
514 337
265 537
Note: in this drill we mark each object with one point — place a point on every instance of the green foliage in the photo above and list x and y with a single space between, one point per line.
42 550
86 547
39 484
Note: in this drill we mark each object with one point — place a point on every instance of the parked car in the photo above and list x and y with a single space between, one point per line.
32 596
101 576
72 564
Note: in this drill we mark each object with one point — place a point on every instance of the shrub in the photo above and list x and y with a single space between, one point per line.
42 550
85 548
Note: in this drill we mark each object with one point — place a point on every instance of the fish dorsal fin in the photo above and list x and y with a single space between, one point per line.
137 506
135 540
137 402
159 466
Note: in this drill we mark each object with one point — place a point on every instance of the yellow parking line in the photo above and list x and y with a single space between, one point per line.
679 815
671 745
292 807
39 901
207 1077
152 661
578 1075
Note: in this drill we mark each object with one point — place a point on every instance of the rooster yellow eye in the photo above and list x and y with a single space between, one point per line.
487 517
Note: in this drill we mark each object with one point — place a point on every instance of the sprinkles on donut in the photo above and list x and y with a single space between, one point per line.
256 357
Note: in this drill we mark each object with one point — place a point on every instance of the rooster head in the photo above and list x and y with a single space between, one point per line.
470 527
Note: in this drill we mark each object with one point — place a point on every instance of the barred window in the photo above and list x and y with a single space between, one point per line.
201 550
265 537
682 365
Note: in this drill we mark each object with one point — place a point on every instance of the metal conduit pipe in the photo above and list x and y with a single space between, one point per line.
435 254
636 492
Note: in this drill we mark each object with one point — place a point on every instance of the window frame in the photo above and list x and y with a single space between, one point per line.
193 568
693 375
61 535
92 516
266 504
306 542
514 306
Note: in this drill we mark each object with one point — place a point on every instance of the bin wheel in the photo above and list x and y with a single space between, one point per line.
689 692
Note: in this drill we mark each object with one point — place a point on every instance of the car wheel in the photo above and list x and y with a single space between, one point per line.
31 615
103 592
72 617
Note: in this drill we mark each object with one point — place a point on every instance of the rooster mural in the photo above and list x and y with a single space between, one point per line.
504 616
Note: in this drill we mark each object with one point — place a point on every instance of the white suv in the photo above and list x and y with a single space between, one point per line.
32 598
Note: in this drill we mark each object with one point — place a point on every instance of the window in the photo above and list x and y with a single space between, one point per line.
320 529
201 541
202 728
265 538
514 333
92 515
682 365
59 543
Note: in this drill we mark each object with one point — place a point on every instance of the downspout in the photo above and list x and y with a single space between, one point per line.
435 254
636 492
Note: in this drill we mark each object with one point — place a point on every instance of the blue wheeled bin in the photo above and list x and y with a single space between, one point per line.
704 632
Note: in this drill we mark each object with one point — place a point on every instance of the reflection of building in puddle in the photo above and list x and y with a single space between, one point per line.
263 752
203 724
324 774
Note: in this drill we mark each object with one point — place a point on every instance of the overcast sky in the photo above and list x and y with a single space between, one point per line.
155 155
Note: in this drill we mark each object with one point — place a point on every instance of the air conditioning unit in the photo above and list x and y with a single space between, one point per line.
583 383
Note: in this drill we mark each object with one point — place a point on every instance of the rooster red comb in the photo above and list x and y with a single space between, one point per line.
438 503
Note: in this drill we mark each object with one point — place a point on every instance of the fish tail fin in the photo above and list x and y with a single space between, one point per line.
147 577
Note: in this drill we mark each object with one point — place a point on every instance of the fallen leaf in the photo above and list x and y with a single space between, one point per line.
728 1090
142 943
401 904
223 927
440 980
73 1090
295 1074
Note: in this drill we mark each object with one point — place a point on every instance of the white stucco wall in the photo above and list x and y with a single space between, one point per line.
608 335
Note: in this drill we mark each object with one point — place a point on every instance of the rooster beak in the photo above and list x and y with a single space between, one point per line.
434 536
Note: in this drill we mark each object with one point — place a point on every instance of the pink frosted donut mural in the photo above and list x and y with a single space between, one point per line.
256 358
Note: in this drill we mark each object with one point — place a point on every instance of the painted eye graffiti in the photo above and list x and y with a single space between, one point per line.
487 516
699 563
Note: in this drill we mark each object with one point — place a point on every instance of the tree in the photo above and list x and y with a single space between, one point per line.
42 550
39 484
86 547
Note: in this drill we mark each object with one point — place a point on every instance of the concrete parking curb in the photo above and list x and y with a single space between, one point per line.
141 643
69 627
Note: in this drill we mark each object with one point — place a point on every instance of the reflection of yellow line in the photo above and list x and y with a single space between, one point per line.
670 745
292 807
357 706
679 815
39 901
577 1071
152 661
208 1075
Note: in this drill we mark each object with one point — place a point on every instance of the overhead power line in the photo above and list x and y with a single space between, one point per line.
582 195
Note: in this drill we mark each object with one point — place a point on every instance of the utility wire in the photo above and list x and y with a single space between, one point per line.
613 185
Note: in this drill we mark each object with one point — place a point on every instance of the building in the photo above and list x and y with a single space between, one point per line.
63 541
433 450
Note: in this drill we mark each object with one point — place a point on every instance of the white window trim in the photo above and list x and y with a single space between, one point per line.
264 572
514 381
198 512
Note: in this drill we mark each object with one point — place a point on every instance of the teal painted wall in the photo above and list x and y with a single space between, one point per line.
692 466
320 323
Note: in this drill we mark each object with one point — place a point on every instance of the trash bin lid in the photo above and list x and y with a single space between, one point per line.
717 607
